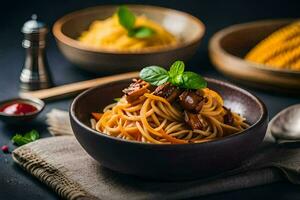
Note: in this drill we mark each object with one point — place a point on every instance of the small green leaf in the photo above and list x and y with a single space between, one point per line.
126 17
177 68
117 99
193 80
27 138
154 75
175 73
20 140
32 135
141 32
177 80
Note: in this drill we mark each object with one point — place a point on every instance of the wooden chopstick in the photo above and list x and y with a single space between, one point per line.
74 88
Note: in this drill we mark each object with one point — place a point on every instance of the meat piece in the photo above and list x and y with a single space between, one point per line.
136 90
228 117
195 121
192 100
167 91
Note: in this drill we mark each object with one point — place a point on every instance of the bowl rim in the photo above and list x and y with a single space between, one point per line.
61 37
30 100
215 45
262 118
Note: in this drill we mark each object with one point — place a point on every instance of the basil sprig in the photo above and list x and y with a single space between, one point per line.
156 75
27 138
127 20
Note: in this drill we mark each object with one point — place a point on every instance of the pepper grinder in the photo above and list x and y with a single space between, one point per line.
35 74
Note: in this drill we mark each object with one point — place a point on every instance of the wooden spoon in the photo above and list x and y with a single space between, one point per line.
74 88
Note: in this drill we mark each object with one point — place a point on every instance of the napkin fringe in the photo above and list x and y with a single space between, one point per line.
54 177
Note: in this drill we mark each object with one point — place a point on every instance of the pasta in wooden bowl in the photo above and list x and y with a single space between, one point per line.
95 40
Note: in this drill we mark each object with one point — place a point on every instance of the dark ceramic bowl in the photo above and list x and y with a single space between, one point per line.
19 119
184 26
169 161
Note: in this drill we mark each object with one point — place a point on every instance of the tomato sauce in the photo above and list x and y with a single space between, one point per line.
18 108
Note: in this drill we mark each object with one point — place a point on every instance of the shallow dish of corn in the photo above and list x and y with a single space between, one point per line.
264 54
280 50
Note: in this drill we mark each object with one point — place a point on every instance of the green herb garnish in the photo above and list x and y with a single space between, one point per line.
127 20
156 75
27 138
117 99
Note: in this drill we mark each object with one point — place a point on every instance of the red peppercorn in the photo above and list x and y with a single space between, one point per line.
5 149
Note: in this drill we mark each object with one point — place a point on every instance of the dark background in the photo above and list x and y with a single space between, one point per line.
14 182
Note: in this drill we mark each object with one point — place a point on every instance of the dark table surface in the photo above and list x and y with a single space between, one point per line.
15 183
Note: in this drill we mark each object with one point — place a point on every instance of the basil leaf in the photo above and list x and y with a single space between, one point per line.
32 135
193 80
126 17
20 140
141 32
27 138
175 73
177 80
127 20
177 68
154 75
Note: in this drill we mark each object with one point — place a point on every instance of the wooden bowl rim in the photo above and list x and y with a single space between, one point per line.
215 46
76 44
262 118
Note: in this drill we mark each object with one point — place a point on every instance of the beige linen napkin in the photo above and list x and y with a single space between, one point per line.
64 166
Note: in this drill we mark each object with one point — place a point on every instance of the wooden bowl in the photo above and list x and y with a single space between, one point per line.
169 161
228 47
67 29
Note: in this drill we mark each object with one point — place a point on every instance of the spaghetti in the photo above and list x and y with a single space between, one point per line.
154 119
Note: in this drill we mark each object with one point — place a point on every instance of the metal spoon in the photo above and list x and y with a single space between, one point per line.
285 126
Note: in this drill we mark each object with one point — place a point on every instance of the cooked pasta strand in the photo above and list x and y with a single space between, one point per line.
155 120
